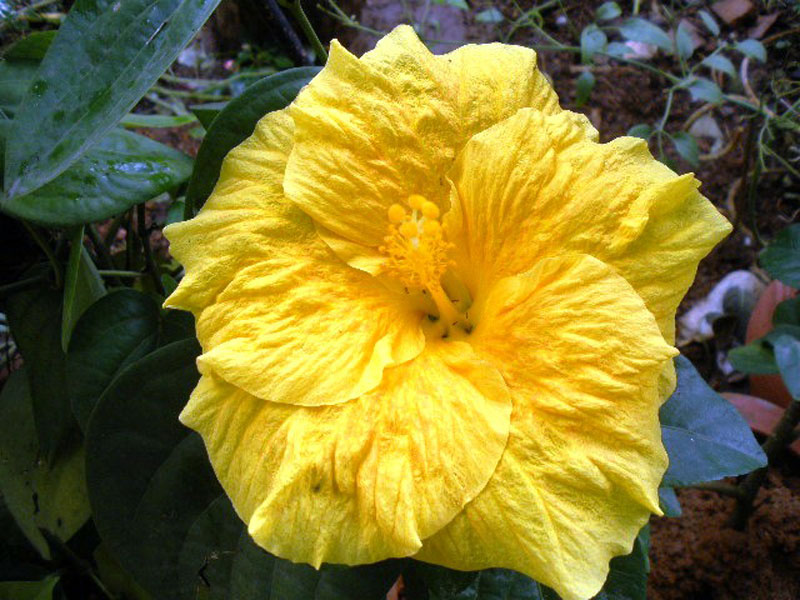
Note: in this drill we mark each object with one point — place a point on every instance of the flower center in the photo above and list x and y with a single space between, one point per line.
418 256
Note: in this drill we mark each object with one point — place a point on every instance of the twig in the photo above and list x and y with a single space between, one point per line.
144 236
103 255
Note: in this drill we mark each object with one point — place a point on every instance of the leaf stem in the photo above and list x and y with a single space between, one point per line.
57 274
144 236
775 444
119 273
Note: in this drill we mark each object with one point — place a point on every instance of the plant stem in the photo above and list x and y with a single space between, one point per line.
119 273
725 489
186 94
22 284
144 236
296 8
775 444
103 255
57 275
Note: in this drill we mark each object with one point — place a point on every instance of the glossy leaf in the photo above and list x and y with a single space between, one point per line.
34 317
720 63
705 436
440 583
787 357
113 333
105 56
592 40
754 358
627 576
640 30
206 113
709 22
669 503
37 495
781 258
787 312
32 47
607 11
753 49
686 146
15 78
237 121
82 286
122 170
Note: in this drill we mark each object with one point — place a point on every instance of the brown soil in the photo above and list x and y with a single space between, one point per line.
697 556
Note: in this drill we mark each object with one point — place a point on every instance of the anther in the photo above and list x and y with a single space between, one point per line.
409 230
416 201
430 210
396 213
431 227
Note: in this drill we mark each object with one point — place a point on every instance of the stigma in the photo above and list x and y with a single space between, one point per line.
418 256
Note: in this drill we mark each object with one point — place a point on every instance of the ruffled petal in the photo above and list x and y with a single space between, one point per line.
581 355
352 160
278 313
538 185
362 481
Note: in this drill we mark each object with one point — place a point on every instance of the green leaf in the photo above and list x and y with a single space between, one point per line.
756 358
709 22
37 495
156 121
15 78
34 317
753 49
105 56
237 121
642 130
686 146
122 170
490 15
82 286
640 30
720 63
592 40
585 85
705 436
607 11
29 590
683 41
160 511
113 333
441 583
618 49
206 113
787 357
781 258
669 503
627 575
705 90
32 47
787 312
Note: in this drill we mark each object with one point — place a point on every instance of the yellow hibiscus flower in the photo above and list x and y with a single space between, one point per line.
436 318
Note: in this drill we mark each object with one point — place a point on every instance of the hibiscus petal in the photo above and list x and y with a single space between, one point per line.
365 480
352 160
581 355
278 313
538 185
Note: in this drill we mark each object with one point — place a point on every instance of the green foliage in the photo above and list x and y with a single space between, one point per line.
28 590
705 436
104 57
781 258
82 286
641 30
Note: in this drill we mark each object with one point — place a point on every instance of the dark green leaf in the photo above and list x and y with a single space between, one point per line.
756 358
640 30
490 15
705 90
705 436
32 47
669 503
156 121
753 49
441 583
627 576
39 496
206 113
114 332
592 40
15 78
720 63
122 170
585 85
787 356
34 317
709 22
686 146
787 312
82 286
781 258
683 41
236 122
105 56
642 130
607 11
29 590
